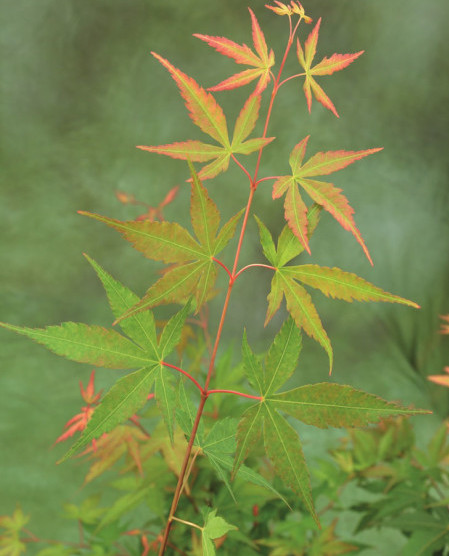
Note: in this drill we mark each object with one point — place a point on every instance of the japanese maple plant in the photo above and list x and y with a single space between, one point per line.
166 375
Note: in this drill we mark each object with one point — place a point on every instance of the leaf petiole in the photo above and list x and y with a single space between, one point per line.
185 373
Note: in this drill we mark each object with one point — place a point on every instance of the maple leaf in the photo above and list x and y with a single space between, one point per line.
195 271
294 8
323 193
333 282
321 405
327 66
208 115
107 348
261 60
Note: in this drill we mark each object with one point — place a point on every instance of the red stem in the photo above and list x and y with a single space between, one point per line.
241 394
205 391
251 266
189 376
223 266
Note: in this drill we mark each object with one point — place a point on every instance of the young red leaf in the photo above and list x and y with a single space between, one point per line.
258 38
324 163
195 151
327 66
126 397
442 380
242 54
336 62
332 200
323 193
205 112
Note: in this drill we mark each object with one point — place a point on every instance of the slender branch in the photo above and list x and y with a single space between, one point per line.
248 175
223 266
266 179
189 523
236 393
182 473
290 78
205 391
252 266
189 376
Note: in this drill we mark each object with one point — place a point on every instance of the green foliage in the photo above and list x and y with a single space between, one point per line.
180 444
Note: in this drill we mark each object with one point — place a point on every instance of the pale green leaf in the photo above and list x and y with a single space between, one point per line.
175 286
248 432
165 395
171 334
227 232
253 369
246 120
334 405
303 311
215 526
160 241
204 213
282 357
284 449
266 240
274 298
141 328
87 344
253 145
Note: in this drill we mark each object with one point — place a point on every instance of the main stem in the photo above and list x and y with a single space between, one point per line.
205 391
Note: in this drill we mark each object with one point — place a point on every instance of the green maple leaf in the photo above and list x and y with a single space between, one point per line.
208 115
322 405
333 282
108 348
195 271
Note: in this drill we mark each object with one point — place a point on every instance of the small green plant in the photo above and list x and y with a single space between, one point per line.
185 419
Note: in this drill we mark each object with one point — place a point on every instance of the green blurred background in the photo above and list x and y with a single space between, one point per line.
80 90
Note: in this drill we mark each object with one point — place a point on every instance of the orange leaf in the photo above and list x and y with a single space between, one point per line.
204 110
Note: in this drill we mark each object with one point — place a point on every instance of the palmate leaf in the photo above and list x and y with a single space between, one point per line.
261 61
327 66
107 348
194 272
208 115
323 193
333 282
321 405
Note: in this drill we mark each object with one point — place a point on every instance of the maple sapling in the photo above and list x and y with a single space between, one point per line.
176 383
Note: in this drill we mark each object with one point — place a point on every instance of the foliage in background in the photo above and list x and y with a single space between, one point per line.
190 281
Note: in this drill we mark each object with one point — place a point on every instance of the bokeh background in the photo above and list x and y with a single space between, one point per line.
80 90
